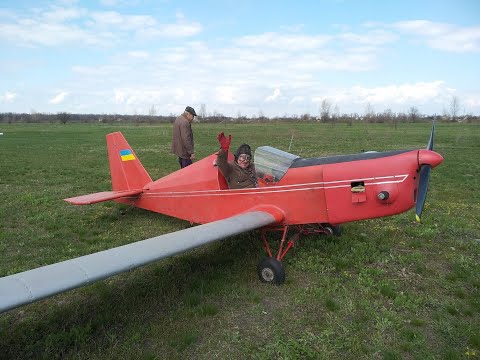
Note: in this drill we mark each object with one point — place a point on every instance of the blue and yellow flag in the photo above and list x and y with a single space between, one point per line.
127 155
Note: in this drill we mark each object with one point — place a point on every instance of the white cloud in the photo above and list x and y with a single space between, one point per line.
141 96
232 79
442 36
397 97
115 20
119 96
226 94
8 97
371 38
109 2
32 32
59 98
472 100
59 26
62 14
293 28
423 27
171 30
284 42
276 94
286 70
139 54
400 94
297 99
67 2
117 3
106 72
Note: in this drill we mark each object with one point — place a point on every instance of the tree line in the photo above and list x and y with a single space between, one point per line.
383 117
328 113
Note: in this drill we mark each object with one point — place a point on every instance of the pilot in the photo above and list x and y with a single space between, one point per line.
240 174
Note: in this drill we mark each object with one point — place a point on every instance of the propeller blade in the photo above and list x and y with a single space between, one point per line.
422 190
430 142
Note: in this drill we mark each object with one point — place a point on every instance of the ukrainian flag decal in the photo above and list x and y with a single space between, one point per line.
127 155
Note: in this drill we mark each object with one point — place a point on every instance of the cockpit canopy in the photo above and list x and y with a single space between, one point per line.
272 163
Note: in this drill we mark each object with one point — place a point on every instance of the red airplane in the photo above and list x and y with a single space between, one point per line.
307 195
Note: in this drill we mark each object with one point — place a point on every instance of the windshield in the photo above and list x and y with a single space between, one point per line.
272 163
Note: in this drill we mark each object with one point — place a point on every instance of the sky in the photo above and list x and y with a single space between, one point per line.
239 58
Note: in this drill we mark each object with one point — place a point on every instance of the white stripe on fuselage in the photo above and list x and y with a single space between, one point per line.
281 188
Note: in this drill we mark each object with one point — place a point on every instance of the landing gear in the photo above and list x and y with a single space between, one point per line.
332 230
270 270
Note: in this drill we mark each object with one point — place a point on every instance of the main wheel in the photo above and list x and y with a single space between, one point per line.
271 271
333 230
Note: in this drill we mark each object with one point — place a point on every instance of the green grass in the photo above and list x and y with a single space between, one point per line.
386 289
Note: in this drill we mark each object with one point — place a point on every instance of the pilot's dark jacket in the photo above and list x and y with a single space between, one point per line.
237 178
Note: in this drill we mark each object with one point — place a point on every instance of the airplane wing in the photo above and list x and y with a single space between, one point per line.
33 285
102 196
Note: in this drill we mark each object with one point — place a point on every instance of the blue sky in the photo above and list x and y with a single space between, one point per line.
239 57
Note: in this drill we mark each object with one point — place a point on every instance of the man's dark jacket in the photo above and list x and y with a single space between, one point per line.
182 138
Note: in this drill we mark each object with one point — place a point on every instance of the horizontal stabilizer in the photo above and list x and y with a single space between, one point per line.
101 196
33 285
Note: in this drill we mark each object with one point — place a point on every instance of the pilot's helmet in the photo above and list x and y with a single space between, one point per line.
243 149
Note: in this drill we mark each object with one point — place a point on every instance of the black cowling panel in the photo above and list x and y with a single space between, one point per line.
302 162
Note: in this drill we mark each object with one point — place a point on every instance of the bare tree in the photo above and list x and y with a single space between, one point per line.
305 117
63 117
34 115
390 117
325 108
203 111
152 111
369 112
335 114
261 115
454 107
413 114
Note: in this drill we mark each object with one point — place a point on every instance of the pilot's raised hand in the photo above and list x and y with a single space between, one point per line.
224 141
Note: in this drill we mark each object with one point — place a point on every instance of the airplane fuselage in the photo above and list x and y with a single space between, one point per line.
320 190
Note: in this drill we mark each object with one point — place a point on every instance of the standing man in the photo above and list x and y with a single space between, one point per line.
182 139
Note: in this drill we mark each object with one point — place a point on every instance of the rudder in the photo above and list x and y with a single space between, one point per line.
126 169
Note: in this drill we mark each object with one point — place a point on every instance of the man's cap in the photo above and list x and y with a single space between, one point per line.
243 149
191 110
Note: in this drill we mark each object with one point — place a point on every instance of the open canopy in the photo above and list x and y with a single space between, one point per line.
272 162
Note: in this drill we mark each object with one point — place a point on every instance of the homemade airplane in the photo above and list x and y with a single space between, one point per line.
307 195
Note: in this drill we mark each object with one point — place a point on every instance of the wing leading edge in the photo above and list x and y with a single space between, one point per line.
36 284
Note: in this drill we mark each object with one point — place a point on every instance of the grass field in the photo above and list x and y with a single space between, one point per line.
386 289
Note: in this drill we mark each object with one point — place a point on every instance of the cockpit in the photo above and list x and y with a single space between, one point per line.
271 163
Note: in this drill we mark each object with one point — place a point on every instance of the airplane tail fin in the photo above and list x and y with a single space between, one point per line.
126 169
128 174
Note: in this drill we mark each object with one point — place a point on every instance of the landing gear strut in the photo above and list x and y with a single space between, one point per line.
270 270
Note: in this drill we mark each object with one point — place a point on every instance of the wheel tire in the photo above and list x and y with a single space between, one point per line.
337 230
333 230
271 271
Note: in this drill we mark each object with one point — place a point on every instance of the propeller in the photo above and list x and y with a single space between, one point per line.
430 141
424 179
422 190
